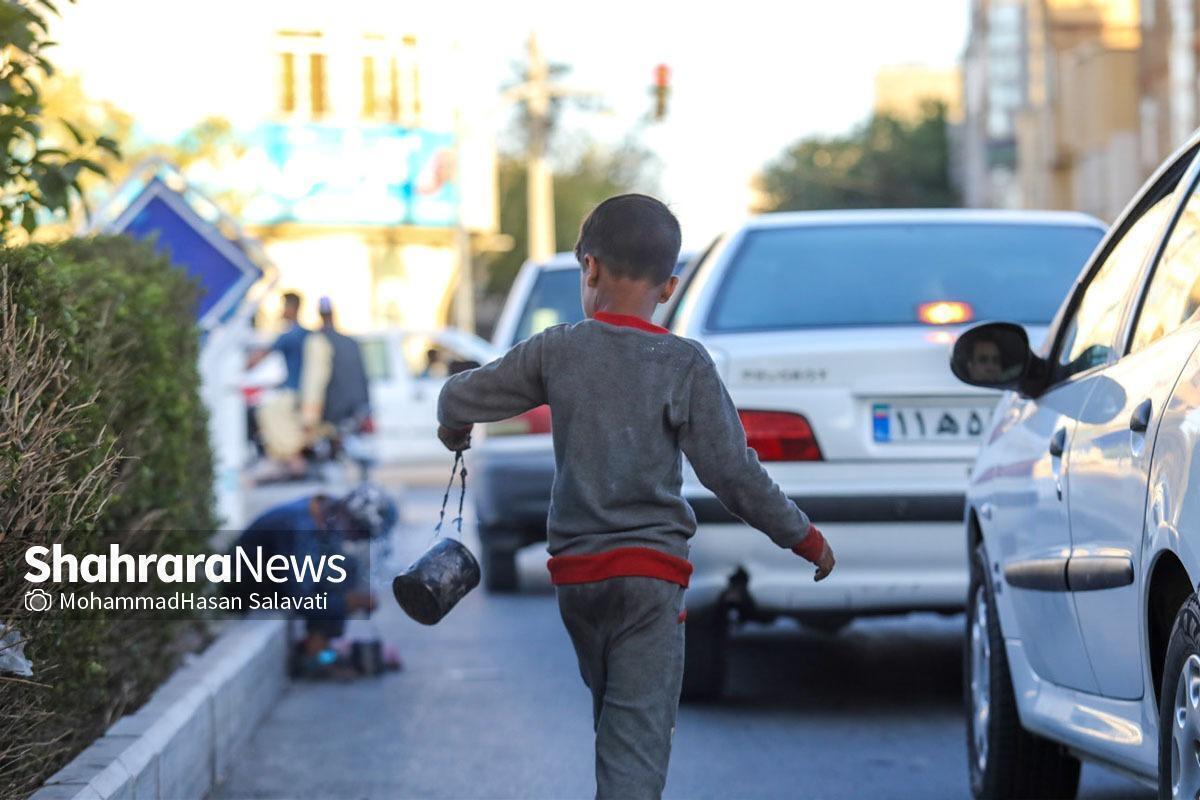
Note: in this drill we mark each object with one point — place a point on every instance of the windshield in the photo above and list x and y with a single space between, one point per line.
816 276
553 300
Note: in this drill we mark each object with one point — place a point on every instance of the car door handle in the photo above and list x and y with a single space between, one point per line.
1139 420
1058 442
1038 574
1087 573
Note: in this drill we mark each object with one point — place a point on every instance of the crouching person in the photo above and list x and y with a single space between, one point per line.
315 527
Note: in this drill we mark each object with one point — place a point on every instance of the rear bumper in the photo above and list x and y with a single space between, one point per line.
860 508
882 567
512 492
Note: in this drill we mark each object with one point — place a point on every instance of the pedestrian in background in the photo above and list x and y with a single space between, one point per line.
279 413
627 398
333 385
434 368
348 393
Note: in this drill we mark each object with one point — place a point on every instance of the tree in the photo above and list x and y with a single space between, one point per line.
594 174
209 144
884 163
36 179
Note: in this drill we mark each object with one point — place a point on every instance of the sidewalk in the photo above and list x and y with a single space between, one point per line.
468 703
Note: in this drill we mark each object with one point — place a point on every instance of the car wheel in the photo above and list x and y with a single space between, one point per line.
1179 707
1005 760
705 652
499 568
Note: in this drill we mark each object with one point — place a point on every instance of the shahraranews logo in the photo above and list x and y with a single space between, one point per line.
53 564
118 567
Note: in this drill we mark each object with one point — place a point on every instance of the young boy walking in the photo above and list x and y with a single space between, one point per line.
626 399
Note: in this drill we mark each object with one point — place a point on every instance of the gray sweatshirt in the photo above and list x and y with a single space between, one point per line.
624 402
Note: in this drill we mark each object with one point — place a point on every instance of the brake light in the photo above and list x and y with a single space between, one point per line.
780 436
535 420
945 312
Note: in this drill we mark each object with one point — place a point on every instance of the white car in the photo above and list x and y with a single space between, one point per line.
831 331
405 386
1083 519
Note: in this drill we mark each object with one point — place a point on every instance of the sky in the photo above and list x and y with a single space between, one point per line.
748 77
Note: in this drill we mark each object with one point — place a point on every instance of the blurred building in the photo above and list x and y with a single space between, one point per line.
994 80
1168 70
1077 131
365 157
900 91
1109 91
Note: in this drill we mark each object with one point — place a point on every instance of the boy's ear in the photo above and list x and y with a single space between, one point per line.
591 270
668 289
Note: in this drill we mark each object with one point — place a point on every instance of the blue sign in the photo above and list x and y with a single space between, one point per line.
354 175
221 266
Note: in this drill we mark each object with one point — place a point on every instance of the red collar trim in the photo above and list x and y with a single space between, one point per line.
628 321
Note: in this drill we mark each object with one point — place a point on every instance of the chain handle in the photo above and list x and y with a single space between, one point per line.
457 470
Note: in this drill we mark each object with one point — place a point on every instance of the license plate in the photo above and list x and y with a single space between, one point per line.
928 423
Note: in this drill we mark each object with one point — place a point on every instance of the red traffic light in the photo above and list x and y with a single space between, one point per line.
662 76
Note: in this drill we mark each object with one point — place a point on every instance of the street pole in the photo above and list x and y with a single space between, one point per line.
464 296
539 195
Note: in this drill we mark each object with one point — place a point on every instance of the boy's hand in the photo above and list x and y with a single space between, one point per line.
824 563
455 439
822 557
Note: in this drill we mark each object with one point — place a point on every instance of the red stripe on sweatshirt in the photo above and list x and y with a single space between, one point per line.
623 562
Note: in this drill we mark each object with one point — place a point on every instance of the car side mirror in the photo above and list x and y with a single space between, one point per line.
455 367
994 355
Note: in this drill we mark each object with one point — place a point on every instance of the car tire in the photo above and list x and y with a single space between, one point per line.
1182 661
705 653
1004 760
499 568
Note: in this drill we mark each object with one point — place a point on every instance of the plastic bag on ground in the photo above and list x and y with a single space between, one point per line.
12 654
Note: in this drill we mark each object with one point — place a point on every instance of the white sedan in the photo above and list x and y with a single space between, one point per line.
1083 518
831 332
406 370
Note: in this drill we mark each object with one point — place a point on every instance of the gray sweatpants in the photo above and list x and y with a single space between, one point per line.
628 635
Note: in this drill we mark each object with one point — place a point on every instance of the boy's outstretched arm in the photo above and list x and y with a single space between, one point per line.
714 442
506 387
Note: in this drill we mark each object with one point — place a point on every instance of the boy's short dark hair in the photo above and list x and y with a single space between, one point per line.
291 299
633 236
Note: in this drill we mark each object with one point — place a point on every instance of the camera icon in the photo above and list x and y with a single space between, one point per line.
38 600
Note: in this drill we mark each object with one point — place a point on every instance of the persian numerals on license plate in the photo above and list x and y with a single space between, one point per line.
895 423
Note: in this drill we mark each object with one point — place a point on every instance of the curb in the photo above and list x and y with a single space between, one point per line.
180 743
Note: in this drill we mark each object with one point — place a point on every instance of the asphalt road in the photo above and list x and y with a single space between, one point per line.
490 705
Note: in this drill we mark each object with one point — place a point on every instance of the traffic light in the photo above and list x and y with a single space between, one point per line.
662 88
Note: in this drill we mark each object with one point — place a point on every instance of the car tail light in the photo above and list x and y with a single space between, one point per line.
780 436
945 312
535 420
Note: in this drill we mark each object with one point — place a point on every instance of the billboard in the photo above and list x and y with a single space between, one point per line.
318 173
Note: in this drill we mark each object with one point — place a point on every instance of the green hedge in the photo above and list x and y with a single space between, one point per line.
102 438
